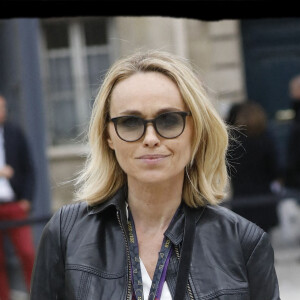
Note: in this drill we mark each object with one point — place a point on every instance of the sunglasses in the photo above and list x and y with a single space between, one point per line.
168 125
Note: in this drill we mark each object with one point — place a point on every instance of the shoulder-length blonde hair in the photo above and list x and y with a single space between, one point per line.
206 175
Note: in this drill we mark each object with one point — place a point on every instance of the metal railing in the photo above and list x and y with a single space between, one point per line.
6 224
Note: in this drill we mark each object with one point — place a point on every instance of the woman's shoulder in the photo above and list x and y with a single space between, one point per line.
221 226
65 216
223 221
71 209
225 215
80 211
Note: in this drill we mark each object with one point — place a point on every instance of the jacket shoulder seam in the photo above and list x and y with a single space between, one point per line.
255 247
250 240
69 215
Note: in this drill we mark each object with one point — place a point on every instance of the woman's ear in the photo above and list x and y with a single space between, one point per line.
110 143
109 140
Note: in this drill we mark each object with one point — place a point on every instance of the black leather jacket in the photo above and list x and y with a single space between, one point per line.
83 254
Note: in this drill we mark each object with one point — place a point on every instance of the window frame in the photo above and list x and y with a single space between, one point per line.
78 52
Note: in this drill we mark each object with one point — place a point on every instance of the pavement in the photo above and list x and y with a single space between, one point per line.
287 264
286 244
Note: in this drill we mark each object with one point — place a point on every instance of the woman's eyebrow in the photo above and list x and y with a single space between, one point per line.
167 109
130 112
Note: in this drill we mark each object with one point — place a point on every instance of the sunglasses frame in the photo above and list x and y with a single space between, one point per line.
183 114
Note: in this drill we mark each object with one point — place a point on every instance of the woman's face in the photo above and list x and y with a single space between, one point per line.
152 158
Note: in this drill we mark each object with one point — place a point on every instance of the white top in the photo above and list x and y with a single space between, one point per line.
6 191
147 282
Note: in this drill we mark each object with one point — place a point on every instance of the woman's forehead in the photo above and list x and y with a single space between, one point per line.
149 91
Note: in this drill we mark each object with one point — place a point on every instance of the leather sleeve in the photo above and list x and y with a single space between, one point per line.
262 276
48 274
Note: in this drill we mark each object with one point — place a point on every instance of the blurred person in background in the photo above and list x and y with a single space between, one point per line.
292 179
16 192
253 162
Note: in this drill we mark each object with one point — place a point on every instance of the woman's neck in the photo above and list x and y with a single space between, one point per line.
153 205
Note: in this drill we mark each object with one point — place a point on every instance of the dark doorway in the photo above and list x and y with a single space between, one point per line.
272 57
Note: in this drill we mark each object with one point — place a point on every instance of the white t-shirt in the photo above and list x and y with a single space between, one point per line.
6 191
147 282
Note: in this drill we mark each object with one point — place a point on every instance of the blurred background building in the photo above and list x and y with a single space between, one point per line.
51 70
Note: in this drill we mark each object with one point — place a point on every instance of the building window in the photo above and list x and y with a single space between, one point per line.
76 54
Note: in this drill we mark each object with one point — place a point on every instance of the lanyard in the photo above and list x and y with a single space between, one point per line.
160 270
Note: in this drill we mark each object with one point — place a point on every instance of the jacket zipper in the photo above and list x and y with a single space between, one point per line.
128 257
188 284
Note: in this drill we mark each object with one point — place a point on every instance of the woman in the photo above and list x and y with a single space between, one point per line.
149 226
292 176
256 169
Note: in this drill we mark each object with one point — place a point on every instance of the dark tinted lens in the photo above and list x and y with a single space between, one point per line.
170 125
130 128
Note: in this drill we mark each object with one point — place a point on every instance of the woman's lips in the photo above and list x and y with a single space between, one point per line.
152 158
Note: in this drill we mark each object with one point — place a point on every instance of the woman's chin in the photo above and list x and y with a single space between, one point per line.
150 179
154 177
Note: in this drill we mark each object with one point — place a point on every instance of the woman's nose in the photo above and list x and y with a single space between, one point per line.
151 137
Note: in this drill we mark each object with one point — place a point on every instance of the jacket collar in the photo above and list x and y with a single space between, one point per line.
118 201
175 230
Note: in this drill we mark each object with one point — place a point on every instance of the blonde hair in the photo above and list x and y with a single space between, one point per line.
206 174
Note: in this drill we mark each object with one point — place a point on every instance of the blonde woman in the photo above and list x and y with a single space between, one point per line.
148 224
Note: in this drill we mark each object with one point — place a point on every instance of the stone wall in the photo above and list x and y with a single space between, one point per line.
64 163
216 48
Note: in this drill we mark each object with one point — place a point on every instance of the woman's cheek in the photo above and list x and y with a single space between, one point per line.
124 161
